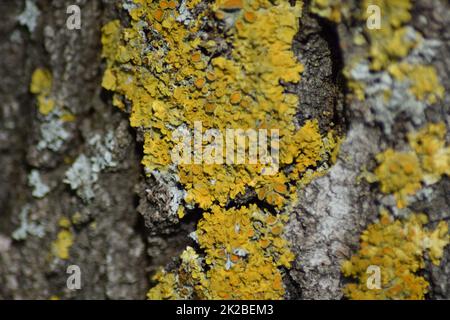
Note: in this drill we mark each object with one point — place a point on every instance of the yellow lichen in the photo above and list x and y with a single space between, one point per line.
392 40
397 248
330 9
61 246
41 86
389 47
64 241
402 173
172 85
243 251
64 222
172 78
425 84
399 173
165 288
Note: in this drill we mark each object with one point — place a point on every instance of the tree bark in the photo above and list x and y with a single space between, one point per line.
115 249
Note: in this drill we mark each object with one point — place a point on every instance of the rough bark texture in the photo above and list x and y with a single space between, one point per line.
122 235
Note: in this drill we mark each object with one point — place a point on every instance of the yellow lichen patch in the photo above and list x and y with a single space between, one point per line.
67 117
167 73
402 173
389 47
397 248
231 4
425 84
357 88
429 145
242 91
64 222
41 86
165 288
187 282
61 246
330 9
399 173
243 250
392 40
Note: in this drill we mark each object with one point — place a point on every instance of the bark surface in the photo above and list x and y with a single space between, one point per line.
122 235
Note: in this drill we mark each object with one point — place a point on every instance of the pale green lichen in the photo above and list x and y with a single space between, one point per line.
82 178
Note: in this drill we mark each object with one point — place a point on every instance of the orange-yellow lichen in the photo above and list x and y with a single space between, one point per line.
41 86
165 288
425 84
432 151
330 9
245 86
231 4
397 248
165 69
243 250
64 241
402 173
389 47
399 173
392 40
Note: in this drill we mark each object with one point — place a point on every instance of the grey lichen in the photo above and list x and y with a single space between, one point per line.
401 99
27 227
40 189
29 16
84 172
389 97
103 151
53 135
176 194
82 178
185 15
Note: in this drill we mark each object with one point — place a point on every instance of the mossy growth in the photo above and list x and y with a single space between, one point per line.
169 74
398 248
404 173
